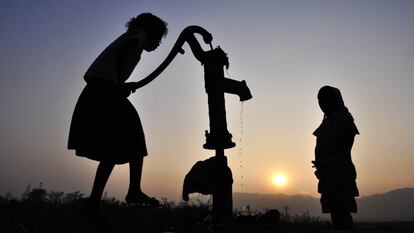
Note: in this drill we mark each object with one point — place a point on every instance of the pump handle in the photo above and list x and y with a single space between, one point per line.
187 35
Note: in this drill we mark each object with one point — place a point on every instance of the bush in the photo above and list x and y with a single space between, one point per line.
41 211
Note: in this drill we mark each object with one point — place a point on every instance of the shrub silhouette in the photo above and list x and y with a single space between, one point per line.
41 211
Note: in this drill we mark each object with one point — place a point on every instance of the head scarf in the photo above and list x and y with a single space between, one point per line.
332 104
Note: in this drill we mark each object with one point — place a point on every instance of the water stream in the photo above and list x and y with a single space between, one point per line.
240 151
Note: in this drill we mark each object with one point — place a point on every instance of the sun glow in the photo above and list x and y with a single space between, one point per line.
280 180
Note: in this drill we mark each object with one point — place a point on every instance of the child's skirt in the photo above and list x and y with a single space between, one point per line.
106 127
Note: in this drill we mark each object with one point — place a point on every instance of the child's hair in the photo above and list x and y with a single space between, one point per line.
150 23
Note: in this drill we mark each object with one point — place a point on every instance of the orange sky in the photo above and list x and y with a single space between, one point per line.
285 50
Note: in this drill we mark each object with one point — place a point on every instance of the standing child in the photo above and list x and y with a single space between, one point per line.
105 126
335 170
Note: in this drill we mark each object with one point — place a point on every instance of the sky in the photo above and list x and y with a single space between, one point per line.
285 50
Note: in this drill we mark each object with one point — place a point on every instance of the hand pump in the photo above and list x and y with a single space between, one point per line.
218 138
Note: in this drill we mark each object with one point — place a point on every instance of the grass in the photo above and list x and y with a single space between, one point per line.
40 211
43 212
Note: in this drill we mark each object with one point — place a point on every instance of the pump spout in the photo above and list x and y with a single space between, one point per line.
238 88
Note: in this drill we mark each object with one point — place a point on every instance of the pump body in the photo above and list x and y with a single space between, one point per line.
216 85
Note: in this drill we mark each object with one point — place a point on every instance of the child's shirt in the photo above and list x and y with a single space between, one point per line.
107 65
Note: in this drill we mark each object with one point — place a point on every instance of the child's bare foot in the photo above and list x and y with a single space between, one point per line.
141 199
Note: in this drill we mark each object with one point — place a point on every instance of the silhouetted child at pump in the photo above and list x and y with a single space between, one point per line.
335 169
105 126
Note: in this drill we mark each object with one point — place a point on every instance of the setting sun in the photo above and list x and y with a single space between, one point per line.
279 180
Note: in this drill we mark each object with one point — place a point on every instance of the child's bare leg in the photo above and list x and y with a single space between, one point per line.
135 194
92 209
102 174
135 174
